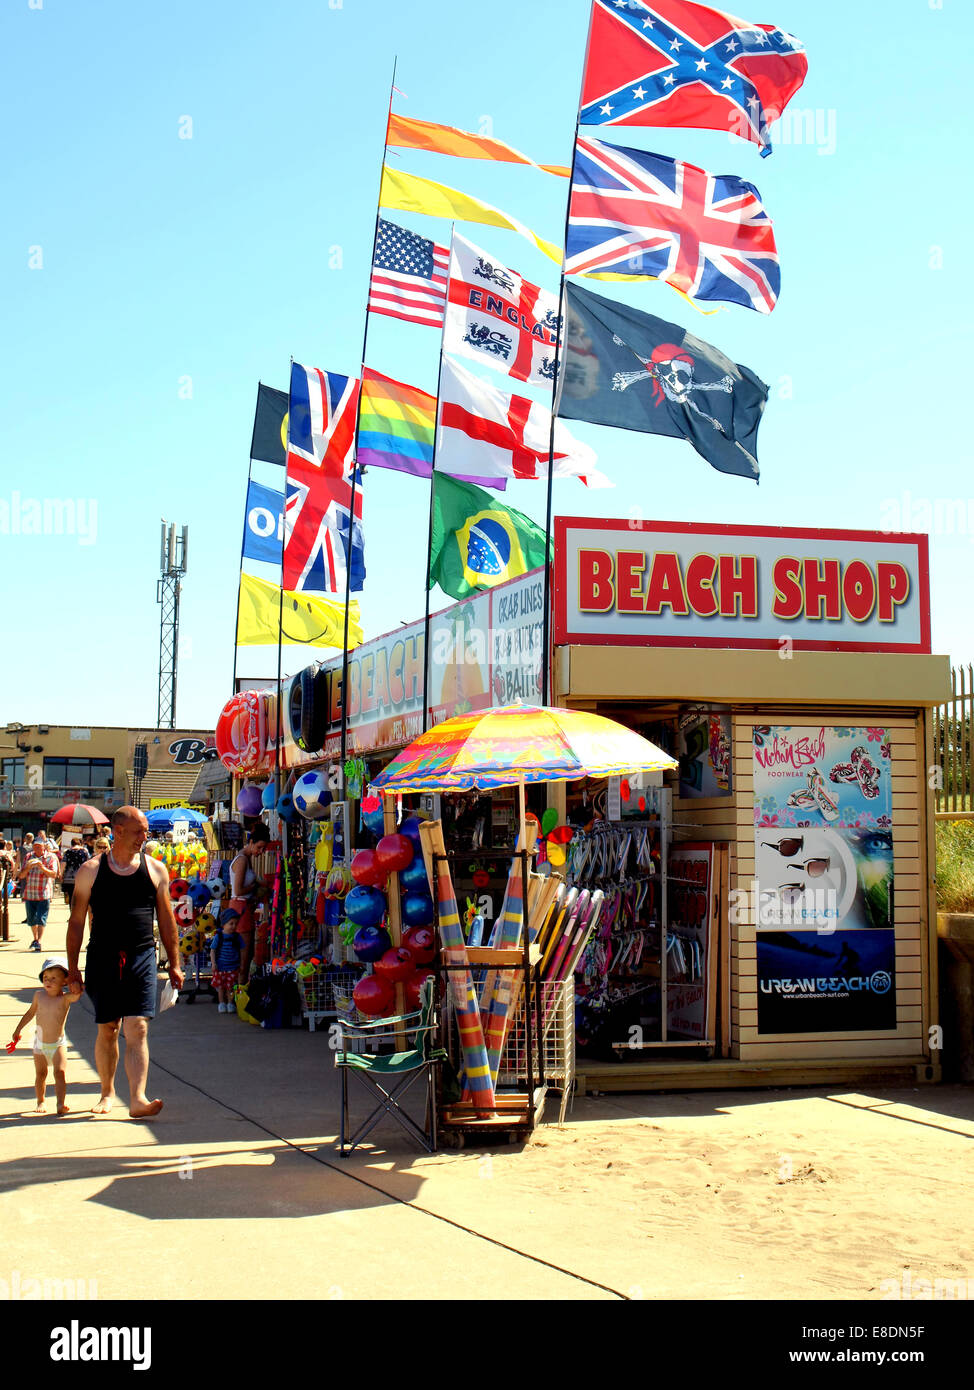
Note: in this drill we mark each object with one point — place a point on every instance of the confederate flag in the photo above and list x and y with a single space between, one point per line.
675 63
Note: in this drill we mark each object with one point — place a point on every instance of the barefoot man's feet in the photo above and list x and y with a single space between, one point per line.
103 1106
64 1110
144 1110
41 1108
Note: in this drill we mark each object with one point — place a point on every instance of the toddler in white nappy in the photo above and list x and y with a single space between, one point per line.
50 1009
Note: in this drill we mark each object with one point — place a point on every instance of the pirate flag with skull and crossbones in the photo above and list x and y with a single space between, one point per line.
628 369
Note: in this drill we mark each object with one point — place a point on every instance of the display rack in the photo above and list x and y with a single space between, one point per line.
515 1113
636 956
323 994
556 1034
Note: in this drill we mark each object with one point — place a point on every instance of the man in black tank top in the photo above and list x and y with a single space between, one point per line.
124 890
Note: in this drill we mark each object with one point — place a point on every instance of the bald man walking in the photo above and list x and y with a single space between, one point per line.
123 889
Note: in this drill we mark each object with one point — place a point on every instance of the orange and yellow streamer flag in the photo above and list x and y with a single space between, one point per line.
411 193
406 133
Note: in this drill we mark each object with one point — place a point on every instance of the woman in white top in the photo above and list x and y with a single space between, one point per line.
243 889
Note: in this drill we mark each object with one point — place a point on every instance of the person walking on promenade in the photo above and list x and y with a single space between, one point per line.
123 889
243 893
73 860
38 875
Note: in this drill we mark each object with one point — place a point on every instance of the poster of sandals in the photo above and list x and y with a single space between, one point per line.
823 856
823 840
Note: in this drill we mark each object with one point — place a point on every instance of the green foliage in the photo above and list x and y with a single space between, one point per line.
955 865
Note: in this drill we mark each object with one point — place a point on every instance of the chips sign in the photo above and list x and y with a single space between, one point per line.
159 803
698 585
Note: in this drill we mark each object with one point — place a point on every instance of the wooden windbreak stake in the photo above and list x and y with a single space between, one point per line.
395 914
453 948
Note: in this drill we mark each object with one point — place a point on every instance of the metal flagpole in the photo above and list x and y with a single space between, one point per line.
429 537
280 612
243 543
358 423
555 387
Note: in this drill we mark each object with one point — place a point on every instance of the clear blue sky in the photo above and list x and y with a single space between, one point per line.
171 264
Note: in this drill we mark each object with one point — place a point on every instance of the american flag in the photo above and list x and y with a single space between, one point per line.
676 63
409 275
322 408
640 214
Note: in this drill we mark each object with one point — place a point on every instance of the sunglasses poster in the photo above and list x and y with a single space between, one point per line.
823 840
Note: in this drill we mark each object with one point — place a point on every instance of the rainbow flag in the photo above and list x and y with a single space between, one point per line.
397 426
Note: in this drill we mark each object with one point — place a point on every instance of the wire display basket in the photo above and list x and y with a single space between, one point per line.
556 1028
327 994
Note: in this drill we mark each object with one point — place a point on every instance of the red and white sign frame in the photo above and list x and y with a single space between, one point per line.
571 628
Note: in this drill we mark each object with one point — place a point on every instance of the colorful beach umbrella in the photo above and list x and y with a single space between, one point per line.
500 747
513 744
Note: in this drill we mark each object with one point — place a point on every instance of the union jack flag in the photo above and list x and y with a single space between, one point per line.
640 214
316 521
321 420
676 63
320 452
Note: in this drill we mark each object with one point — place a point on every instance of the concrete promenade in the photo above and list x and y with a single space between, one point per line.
236 1190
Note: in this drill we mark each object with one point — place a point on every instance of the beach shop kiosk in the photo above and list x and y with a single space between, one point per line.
790 672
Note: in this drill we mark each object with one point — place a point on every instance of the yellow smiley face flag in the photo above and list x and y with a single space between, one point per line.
305 619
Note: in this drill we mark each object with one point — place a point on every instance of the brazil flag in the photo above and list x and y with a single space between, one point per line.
477 543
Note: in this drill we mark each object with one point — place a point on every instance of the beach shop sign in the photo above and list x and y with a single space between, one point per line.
698 585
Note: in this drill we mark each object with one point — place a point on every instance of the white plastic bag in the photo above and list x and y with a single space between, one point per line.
168 997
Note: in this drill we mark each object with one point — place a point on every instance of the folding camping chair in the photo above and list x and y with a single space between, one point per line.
398 1070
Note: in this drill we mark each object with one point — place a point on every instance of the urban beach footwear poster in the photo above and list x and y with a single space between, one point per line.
823 854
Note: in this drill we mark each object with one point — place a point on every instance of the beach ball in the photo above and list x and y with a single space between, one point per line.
199 894
417 908
311 795
412 988
178 889
421 942
394 852
373 996
370 943
373 815
414 875
365 869
410 828
285 808
268 797
365 906
395 964
217 887
249 800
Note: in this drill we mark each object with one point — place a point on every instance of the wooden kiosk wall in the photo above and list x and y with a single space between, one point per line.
730 820
910 899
